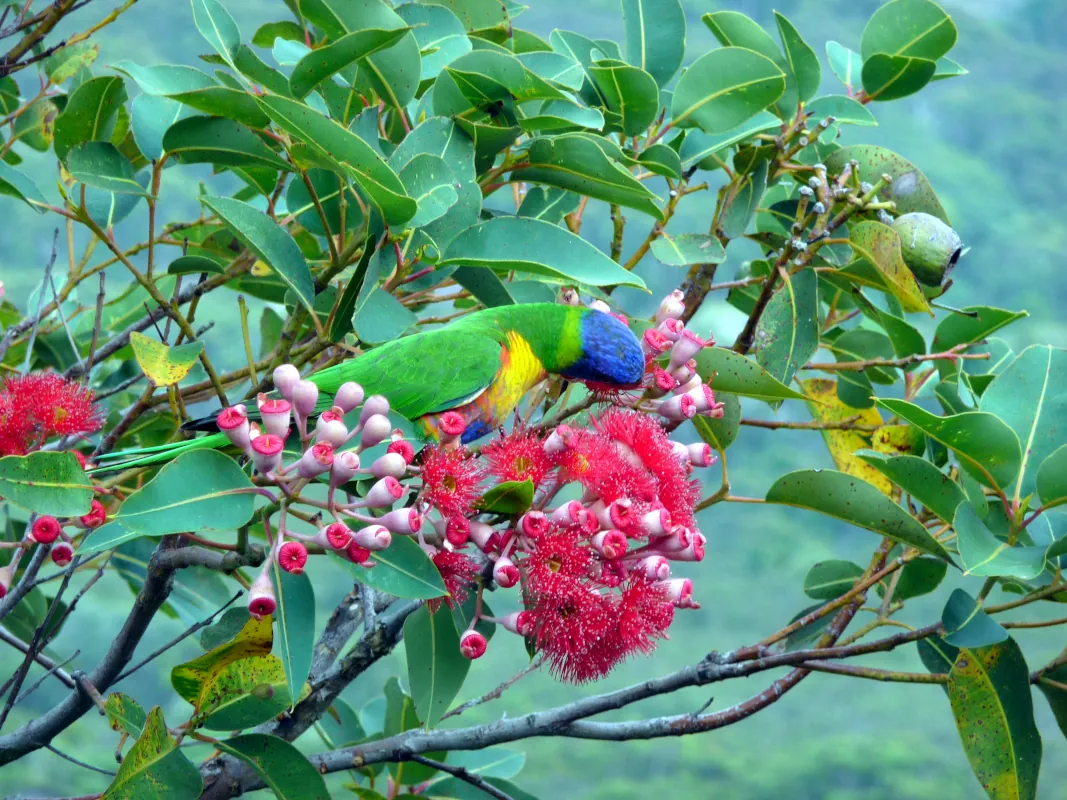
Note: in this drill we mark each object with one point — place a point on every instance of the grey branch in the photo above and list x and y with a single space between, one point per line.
62 675
221 561
464 775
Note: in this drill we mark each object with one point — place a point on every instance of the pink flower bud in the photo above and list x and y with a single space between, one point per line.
359 555
457 531
587 522
672 306
655 342
316 460
384 493
701 455
617 514
332 414
404 521
375 429
62 554
275 414
261 601
662 380
680 450
520 622
338 535
349 395
305 398
373 537
610 544
234 423
344 468
671 328
403 449
677 540
45 530
286 378
333 433
684 374
267 452
451 424
680 591
96 517
558 440
693 552
567 514
600 305
687 346
390 464
679 407
533 524
655 568
703 397
292 556
375 404
505 573
656 522
481 534
472 644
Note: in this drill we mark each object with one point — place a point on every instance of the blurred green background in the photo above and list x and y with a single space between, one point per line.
991 143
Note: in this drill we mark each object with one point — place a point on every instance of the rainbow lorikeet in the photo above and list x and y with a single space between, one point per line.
480 366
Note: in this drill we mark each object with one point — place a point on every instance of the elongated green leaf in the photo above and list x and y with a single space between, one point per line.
734 29
910 189
655 36
630 92
485 285
967 625
887 77
736 374
843 109
100 164
947 68
429 180
985 555
341 725
155 767
151 118
706 149
989 689
201 489
787 334
402 570
327 187
845 63
1051 480
978 323
918 28
509 497
548 203
217 27
830 579
853 500
685 249
532 245
226 101
559 69
215 140
440 34
724 88
457 789
661 159
988 448
70 60
400 716
320 64
918 577
165 79
282 767
296 626
46 482
804 69
89 115
14 184
921 479
436 668
271 243
124 714
879 264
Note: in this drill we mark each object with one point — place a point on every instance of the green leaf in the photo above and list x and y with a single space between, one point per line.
685 249
1051 480
918 577
217 27
844 110
978 323
162 364
701 148
989 689
346 306
921 479
724 88
349 154
89 115
327 187
381 318
193 265
828 580
440 137
629 92
341 725
481 75
431 182
985 445
722 432
436 667
269 31
270 242
787 334
223 142
402 570
984 555
879 264
296 626
100 164
281 766
477 15
580 164
225 627
967 625
245 693
654 32
734 29
845 63
69 61
918 28
14 184
538 247
804 70
887 77
484 285
661 159
46 482
199 490
508 497
191 678
155 767
736 374
320 64
559 69
548 203
947 68
1057 697
439 33
853 500
166 79
910 189
151 118
124 714
1030 395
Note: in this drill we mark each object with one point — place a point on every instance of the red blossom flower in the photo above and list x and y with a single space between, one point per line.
643 611
36 407
519 456
558 554
459 573
570 624
450 480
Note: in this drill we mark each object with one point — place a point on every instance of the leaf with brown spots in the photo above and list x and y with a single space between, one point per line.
155 767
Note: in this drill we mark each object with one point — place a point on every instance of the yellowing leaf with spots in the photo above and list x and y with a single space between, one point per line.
155 767
898 440
164 365
842 444
261 269
193 679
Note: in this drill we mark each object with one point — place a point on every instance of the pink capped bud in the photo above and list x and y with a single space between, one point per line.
693 384
457 530
316 460
656 522
680 591
403 449
701 455
373 537
267 452
62 554
96 517
703 397
338 535
451 424
305 398
359 555
472 644
601 306
292 556
286 377
655 342
662 380
680 450
384 493
390 464
404 521
375 404
672 306
275 414
685 373
45 530
333 414
619 514
233 422
610 544
621 318
505 573
677 540
587 522
558 440
481 534
533 524
679 407
332 432
349 395
655 568
693 552
671 328
687 346
344 468
376 429
261 602
567 514
520 622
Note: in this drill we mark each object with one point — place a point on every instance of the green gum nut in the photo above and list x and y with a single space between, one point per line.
929 247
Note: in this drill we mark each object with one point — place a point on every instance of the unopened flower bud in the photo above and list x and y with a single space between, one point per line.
684 373
520 622
332 432
505 573
376 428
657 522
359 555
457 530
390 464
481 534
286 378
275 414
96 517
338 535
533 524
292 556
569 297
267 452
451 426
671 328
655 568
472 644
693 552
677 540
680 450
344 468
558 440
305 398
567 514
62 554
384 493
687 346
680 591
316 460
373 537
654 342
672 306
375 404
704 397
701 455
261 602
678 407
233 422
662 380
600 305
349 395
404 521
402 449
610 544
45 530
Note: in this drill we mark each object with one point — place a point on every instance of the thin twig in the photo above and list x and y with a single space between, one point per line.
40 304
56 670
97 322
40 658
463 774
73 760
495 693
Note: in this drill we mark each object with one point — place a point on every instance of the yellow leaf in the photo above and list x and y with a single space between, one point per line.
898 440
191 678
261 269
825 406
164 365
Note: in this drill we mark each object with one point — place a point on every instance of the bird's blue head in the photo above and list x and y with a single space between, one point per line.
610 353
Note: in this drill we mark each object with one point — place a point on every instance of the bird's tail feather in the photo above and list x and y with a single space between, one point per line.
147 456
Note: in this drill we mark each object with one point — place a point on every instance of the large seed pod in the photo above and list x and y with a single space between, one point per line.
930 248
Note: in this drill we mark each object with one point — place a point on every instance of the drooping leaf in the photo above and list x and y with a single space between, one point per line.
918 577
921 479
400 716
706 149
124 714
976 324
985 555
320 64
151 118
880 264
223 142
724 88
827 580
853 500
296 626
341 724
661 159
910 189
436 667
402 570
844 445
804 70
437 136
492 762
655 36
155 767
1051 479
279 764
46 482
162 364
15 184
431 182
89 115
686 249
967 625
217 27
1056 696
190 679
70 60
845 63
245 693
629 91
734 29
736 374
787 334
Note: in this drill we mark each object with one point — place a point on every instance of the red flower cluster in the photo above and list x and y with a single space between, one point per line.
34 408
